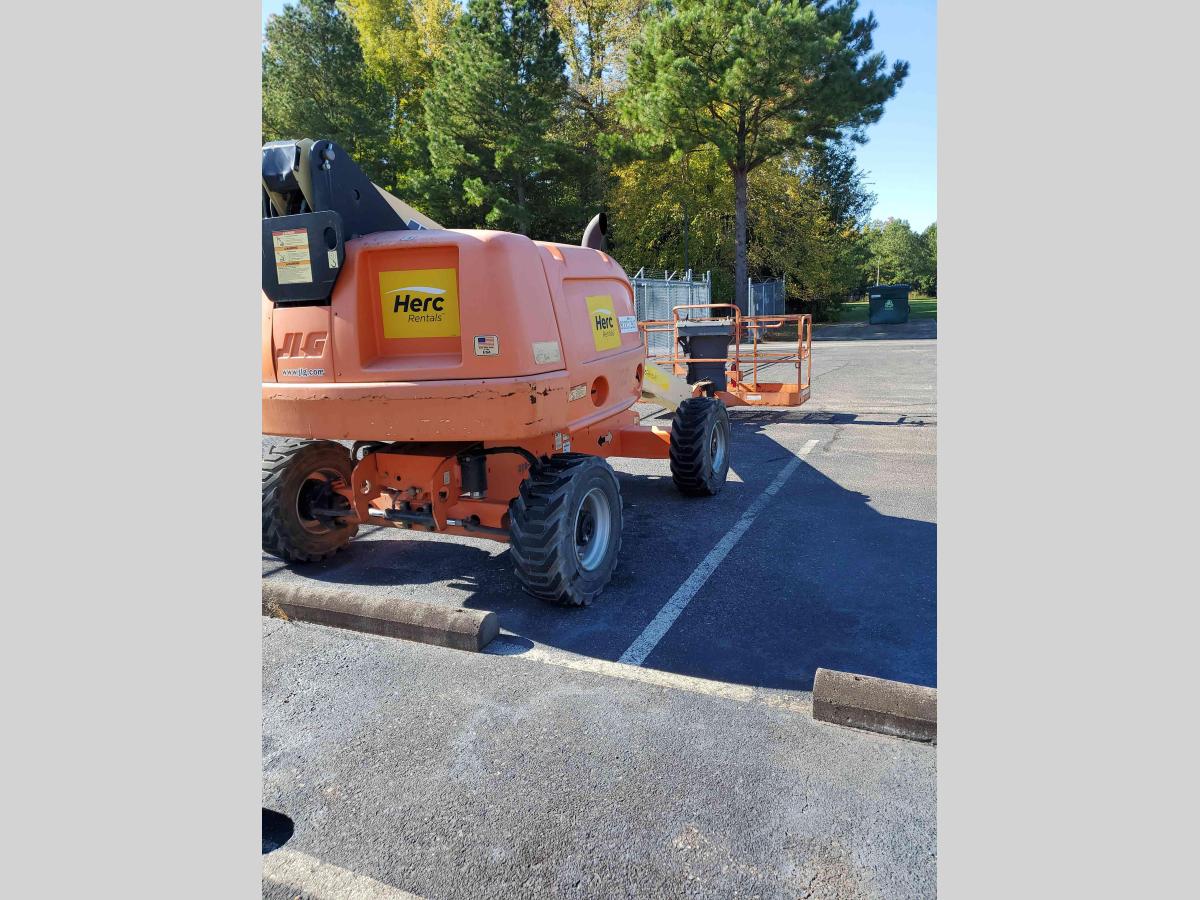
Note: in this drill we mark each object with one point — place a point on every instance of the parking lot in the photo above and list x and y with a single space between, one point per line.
658 742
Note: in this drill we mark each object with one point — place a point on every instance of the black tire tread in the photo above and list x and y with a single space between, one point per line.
690 469
535 525
277 461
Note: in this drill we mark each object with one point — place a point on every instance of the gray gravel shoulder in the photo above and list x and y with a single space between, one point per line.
522 779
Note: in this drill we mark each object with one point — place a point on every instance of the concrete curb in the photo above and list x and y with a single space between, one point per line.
875 704
427 623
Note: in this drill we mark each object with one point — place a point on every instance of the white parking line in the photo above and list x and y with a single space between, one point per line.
322 881
653 633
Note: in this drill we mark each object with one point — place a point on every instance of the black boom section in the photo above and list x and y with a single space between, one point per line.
302 256
340 185
314 199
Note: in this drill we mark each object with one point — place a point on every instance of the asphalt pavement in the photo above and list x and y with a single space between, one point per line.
548 766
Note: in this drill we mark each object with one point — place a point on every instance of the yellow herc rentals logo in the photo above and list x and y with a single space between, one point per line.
604 322
419 303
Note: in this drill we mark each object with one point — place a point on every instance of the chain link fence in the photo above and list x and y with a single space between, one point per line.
767 298
656 293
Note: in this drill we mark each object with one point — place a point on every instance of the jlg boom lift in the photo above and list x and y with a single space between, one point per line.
482 378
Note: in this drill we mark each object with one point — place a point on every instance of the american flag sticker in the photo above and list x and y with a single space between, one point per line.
487 345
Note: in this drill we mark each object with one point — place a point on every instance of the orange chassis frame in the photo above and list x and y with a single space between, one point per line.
744 386
419 485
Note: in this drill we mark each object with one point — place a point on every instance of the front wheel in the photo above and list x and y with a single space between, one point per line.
565 529
298 493
700 446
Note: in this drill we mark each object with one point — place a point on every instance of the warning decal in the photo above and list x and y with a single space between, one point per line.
419 303
292 262
604 322
628 324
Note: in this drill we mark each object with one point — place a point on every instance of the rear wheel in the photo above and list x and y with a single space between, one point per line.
565 529
298 494
700 446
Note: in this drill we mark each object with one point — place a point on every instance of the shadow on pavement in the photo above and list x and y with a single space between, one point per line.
819 580
821 417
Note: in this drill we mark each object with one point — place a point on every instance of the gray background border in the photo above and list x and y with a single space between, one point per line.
132 660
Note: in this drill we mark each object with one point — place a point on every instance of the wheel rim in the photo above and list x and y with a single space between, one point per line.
593 529
716 447
316 491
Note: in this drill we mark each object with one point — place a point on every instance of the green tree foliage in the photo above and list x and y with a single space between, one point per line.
668 214
489 111
805 219
315 84
929 242
596 35
897 254
401 40
756 79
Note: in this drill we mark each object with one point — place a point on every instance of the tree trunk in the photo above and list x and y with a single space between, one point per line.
686 214
740 194
521 226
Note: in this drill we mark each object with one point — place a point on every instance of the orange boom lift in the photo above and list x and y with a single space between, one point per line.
445 380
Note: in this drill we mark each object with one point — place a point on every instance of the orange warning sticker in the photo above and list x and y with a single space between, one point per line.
292 262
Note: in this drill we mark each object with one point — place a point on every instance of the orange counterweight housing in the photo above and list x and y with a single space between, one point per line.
480 375
457 335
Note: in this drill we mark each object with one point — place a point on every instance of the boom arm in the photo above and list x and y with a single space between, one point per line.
314 200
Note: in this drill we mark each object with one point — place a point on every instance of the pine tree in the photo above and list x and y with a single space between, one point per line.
756 79
315 85
490 109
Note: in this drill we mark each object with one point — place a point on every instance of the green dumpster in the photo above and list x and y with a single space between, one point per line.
887 304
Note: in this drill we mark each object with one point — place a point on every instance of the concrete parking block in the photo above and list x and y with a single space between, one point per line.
875 704
411 620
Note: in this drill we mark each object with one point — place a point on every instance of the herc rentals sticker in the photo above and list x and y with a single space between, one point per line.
604 322
419 303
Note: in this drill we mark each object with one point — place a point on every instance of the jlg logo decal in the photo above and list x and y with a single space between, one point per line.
297 345
604 322
419 303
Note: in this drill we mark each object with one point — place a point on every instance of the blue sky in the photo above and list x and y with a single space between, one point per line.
900 157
